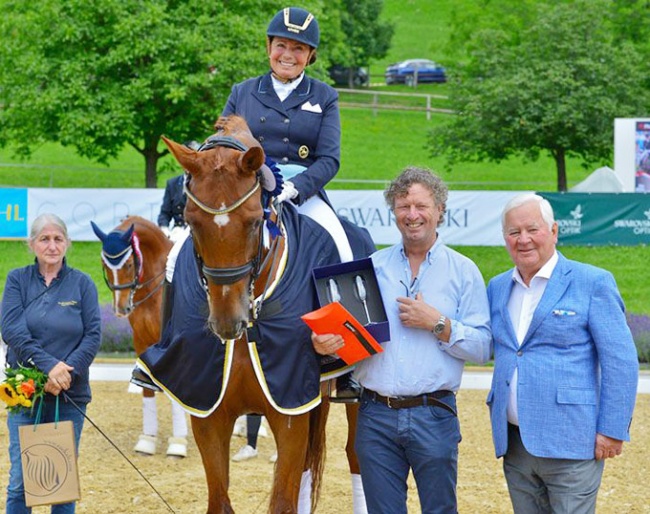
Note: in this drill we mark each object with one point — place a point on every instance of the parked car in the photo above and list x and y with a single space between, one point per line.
405 72
339 74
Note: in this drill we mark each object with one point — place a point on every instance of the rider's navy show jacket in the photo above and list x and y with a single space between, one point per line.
305 129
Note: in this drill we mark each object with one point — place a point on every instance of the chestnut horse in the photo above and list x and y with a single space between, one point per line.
133 260
236 261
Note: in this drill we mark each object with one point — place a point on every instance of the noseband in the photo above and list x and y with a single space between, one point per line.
227 276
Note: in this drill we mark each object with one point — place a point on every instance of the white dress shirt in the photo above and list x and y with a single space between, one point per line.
284 89
521 307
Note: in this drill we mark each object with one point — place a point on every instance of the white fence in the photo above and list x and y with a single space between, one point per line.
376 103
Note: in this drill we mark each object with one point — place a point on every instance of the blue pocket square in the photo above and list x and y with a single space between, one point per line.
562 312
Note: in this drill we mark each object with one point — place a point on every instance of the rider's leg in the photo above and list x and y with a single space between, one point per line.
318 210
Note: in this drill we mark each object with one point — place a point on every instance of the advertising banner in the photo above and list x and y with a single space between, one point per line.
13 213
472 218
601 218
106 207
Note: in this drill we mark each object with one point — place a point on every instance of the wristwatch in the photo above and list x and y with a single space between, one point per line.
439 327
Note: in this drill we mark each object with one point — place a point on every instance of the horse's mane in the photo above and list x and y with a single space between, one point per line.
237 127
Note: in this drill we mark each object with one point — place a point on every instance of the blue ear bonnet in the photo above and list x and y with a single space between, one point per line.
116 248
116 245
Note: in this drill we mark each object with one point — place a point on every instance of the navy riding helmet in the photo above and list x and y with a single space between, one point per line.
297 24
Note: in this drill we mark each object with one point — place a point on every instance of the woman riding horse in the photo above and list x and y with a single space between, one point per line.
235 342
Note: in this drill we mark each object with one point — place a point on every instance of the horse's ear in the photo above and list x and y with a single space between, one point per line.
185 156
126 237
252 159
98 232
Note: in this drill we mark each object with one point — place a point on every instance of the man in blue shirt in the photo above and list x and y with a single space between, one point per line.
437 308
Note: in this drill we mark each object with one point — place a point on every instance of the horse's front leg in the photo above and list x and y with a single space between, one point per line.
212 436
148 439
292 436
352 413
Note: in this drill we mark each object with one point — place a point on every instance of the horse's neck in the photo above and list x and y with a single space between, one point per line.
154 257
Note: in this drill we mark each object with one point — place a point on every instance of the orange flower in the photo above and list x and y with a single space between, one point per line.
28 388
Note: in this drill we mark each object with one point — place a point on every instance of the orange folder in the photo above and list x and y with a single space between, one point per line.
335 319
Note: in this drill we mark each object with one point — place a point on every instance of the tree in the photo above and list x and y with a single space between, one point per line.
365 36
97 76
553 85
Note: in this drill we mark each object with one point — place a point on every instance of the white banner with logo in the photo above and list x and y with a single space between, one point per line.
472 218
106 207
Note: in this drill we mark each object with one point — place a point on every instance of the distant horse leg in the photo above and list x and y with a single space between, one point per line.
358 496
147 441
291 436
212 436
177 444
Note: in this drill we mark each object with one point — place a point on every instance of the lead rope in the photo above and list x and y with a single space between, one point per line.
67 398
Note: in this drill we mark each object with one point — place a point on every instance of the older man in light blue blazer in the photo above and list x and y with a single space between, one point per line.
566 368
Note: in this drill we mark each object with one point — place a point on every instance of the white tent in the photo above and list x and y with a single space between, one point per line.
603 180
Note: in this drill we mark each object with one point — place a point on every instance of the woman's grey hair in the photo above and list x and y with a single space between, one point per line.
522 199
414 175
47 219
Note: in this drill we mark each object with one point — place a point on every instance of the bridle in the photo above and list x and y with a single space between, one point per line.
135 285
252 268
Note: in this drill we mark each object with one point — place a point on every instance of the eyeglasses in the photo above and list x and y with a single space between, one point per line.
413 290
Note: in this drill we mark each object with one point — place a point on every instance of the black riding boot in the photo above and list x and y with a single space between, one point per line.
347 388
138 376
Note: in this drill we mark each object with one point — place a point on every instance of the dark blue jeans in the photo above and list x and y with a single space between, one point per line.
391 442
15 489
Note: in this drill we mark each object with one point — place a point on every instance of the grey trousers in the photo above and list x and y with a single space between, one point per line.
540 485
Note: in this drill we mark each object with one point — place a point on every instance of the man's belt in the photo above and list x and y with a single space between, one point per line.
407 402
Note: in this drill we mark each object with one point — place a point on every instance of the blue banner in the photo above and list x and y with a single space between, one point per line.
13 213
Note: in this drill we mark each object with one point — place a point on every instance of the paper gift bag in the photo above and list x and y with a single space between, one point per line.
49 462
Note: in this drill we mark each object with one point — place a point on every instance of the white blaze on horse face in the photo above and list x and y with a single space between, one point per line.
116 294
221 220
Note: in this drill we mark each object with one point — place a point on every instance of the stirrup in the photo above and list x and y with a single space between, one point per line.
140 378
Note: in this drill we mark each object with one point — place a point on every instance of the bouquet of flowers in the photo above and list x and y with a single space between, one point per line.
22 388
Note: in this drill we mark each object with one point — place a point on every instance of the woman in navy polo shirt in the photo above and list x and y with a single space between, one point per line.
51 321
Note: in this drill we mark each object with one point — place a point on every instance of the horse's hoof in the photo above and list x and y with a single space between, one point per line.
146 445
177 447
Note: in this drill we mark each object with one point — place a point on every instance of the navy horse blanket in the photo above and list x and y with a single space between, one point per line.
192 365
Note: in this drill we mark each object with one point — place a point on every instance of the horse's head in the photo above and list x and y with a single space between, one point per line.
122 266
224 210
